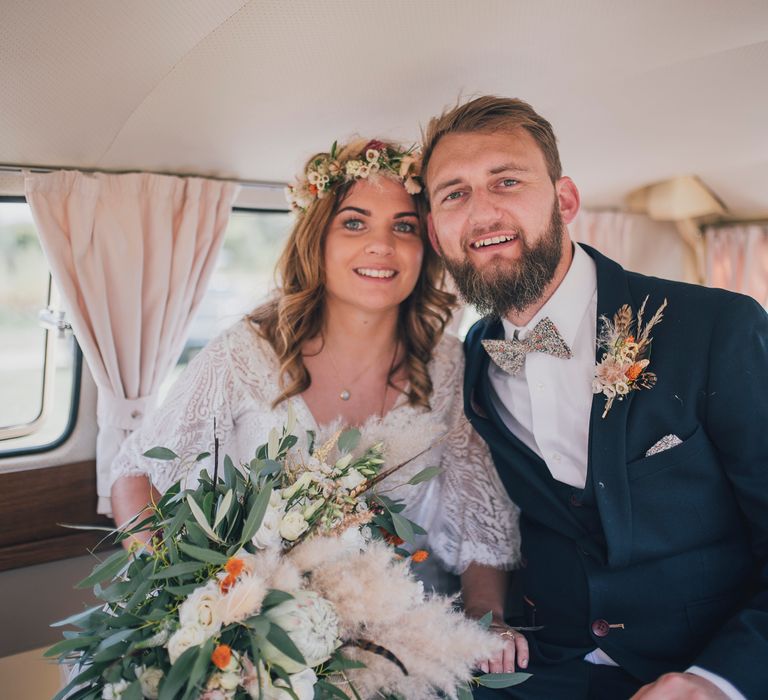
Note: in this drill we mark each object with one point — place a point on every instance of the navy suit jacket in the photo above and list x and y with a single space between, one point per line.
682 562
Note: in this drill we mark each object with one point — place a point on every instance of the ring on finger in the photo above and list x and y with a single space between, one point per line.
507 634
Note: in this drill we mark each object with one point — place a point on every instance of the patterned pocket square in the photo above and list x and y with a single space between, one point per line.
666 443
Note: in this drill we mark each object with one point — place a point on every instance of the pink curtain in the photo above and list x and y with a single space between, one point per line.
606 231
737 259
131 255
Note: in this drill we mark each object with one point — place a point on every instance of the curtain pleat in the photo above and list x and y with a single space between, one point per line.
132 256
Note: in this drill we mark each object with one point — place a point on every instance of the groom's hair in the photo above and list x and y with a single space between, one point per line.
492 114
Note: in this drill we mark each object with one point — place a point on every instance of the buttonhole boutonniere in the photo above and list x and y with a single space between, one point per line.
626 345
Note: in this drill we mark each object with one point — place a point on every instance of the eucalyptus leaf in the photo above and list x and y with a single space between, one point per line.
463 692
348 440
108 569
282 642
177 676
501 680
273 444
485 620
425 475
200 666
256 516
77 618
403 527
274 597
223 508
202 554
67 645
161 453
202 456
81 678
177 570
201 519
133 692
324 689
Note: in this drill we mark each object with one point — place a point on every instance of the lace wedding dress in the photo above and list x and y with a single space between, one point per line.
466 511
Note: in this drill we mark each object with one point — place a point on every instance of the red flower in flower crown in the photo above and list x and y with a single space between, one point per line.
377 145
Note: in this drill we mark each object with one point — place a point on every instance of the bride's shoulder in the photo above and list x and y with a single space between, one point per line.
249 355
447 359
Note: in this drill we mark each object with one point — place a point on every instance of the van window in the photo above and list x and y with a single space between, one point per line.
244 276
38 355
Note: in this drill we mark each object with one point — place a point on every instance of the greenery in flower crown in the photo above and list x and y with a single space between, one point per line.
328 170
276 579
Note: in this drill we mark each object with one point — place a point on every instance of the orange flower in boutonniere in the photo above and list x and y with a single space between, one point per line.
625 358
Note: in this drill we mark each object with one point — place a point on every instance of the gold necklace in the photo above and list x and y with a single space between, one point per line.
345 394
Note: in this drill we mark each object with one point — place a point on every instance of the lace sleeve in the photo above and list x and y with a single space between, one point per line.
477 521
184 422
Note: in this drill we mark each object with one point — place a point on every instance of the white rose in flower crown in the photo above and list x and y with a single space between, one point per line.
149 680
311 623
201 609
184 638
352 479
114 691
293 525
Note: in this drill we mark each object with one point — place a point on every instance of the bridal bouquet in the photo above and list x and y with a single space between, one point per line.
280 579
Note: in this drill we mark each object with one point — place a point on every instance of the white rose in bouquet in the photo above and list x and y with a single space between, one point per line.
352 479
114 691
311 623
201 608
302 684
149 680
184 638
268 534
293 525
260 686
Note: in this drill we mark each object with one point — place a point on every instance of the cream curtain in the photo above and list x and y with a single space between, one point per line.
737 259
131 255
606 231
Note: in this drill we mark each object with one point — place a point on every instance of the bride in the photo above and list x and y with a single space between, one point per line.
354 337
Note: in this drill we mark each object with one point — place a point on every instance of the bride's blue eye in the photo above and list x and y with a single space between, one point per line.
353 225
405 227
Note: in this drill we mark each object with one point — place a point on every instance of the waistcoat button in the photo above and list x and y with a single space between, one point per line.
600 628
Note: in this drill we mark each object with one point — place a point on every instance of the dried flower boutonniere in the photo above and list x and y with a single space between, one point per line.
623 366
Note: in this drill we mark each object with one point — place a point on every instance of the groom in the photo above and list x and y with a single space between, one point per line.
644 504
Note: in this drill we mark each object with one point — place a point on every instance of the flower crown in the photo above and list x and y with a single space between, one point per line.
327 170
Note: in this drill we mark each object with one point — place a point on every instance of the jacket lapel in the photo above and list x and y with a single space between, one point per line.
607 436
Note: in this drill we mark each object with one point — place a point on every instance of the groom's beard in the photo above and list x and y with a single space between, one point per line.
511 285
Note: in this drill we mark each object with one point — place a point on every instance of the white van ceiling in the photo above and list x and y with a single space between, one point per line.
638 92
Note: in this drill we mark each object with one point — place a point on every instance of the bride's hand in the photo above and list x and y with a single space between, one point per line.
515 650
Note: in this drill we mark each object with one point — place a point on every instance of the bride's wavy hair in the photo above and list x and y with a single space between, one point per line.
295 314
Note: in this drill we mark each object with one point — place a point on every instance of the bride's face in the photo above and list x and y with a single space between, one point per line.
373 248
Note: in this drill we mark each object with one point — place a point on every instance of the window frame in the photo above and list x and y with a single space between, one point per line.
63 493
10 432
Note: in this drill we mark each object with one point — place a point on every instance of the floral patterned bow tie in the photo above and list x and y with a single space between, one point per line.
510 354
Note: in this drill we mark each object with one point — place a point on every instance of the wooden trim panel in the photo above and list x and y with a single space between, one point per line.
34 503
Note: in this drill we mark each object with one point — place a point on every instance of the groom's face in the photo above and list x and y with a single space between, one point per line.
497 218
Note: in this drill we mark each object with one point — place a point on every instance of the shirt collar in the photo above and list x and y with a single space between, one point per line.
570 301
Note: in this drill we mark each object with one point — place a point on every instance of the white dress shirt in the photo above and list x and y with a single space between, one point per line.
547 405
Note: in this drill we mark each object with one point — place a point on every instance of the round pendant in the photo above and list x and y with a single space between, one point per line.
344 395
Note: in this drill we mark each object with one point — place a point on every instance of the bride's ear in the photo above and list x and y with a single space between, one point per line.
433 235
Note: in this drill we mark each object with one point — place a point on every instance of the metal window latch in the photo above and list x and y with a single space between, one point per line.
54 320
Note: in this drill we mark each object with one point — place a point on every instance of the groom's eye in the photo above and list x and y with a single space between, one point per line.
453 195
509 182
